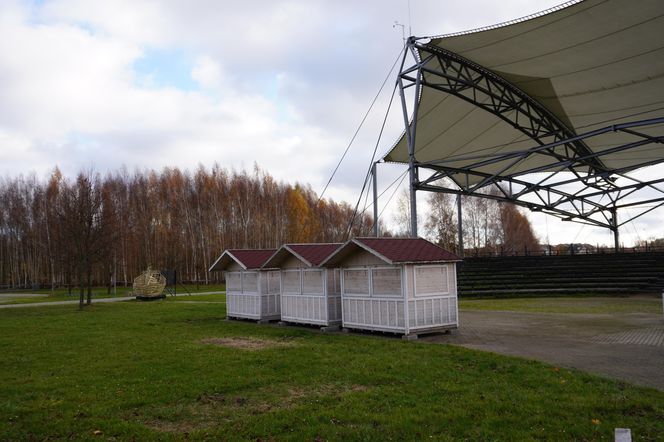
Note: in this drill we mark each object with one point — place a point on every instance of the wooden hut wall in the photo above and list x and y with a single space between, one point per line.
242 296
372 293
270 293
309 294
252 293
369 301
432 296
334 294
400 298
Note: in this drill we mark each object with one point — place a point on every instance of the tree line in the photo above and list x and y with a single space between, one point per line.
101 230
489 226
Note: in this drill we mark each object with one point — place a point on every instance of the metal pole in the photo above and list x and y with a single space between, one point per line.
614 228
413 198
411 130
460 225
404 109
375 199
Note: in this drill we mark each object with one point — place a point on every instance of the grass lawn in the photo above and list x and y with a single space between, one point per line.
174 370
631 304
61 294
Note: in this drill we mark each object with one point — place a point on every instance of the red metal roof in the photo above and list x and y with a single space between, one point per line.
314 253
252 259
400 250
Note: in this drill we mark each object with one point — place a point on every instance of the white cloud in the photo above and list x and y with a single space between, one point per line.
208 73
280 83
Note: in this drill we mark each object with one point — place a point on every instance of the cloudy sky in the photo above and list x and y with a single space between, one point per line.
284 84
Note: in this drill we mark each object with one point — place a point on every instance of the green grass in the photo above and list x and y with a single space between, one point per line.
139 370
632 304
214 298
61 294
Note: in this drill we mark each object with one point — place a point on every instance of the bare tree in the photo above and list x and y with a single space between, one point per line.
86 228
89 230
440 223
402 215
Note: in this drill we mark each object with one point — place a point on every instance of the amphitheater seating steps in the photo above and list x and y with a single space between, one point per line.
620 273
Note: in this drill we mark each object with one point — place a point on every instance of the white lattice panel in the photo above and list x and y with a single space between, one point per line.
271 304
245 306
312 282
234 282
386 282
432 312
376 314
273 279
356 281
303 308
290 281
334 308
334 282
250 282
431 280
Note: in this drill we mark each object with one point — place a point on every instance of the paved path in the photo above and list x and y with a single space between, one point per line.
94 301
21 295
627 347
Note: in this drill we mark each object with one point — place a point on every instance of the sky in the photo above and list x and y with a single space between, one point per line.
281 84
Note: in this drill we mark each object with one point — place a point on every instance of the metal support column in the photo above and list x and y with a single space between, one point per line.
614 229
411 130
460 225
375 199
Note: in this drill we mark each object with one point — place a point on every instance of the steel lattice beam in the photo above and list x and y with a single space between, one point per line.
450 73
599 194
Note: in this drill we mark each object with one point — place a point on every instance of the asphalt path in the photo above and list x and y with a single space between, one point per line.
628 347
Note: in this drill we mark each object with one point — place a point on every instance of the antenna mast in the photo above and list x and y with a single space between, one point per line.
403 31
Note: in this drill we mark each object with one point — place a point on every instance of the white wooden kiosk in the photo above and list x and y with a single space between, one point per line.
251 292
400 285
310 294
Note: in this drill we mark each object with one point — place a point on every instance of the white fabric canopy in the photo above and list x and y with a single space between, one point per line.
591 64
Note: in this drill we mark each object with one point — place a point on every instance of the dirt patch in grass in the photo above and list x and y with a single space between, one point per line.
211 409
180 427
251 344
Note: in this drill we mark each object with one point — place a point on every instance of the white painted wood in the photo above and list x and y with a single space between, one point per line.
308 296
356 281
250 282
313 282
304 309
291 282
406 292
374 313
234 281
432 312
248 295
421 298
243 305
431 280
362 258
386 281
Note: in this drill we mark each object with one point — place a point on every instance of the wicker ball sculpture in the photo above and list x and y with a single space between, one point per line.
149 284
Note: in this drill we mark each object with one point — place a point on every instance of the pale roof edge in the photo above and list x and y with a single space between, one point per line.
508 22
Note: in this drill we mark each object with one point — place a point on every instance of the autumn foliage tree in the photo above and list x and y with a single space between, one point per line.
103 230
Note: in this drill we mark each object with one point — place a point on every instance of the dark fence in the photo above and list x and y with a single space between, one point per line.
560 249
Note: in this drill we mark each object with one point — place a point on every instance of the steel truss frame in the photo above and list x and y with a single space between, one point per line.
591 194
